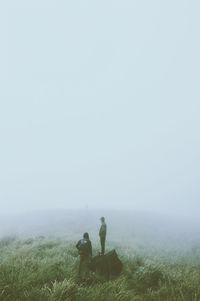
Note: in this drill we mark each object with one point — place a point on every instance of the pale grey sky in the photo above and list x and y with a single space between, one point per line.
99 104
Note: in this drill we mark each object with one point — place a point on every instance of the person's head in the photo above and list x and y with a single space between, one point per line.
102 219
86 235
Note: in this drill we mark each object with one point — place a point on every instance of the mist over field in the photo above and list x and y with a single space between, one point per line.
160 256
126 228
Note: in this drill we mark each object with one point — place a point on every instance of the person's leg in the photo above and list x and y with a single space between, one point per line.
85 267
87 261
103 239
104 242
81 267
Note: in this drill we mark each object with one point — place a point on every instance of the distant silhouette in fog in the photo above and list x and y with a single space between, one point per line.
102 234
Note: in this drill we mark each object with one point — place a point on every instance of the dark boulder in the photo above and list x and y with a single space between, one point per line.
108 265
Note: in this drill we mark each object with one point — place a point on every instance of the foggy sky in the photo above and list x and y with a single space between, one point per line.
99 104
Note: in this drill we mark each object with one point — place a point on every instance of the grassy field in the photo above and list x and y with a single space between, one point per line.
46 269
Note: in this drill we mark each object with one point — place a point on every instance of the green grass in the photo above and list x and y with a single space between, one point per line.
46 269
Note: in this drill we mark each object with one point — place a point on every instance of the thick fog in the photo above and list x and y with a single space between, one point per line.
100 105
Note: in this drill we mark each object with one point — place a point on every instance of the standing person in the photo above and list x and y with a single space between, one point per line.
102 234
84 247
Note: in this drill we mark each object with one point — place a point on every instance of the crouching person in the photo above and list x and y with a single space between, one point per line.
84 247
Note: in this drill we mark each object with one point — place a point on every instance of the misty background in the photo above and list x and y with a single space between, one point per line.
99 110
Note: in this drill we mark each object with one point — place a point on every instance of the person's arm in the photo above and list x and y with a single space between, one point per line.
105 229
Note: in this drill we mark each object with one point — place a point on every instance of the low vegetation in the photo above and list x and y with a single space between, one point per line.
43 269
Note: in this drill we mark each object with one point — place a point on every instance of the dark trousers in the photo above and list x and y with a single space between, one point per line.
103 241
83 266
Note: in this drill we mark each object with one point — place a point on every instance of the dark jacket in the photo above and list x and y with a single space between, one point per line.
84 247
